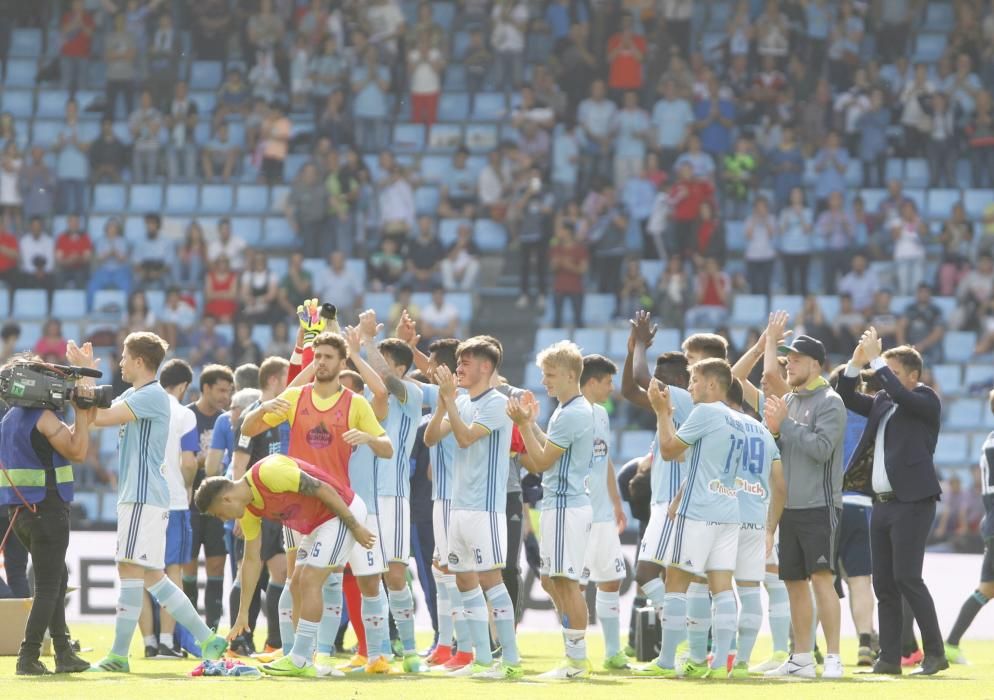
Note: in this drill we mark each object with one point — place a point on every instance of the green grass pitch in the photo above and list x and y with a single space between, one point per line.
167 680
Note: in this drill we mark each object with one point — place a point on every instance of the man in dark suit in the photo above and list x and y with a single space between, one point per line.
893 464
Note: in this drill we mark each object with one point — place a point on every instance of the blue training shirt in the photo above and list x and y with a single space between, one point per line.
480 470
717 438
393 476
571 428
142 452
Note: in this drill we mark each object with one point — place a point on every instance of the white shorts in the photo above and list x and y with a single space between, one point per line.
563 534
750 560
141 535
774 558
699 547
291 538
477 540
395 527
369 562
603 560
440 515
330 544
658 534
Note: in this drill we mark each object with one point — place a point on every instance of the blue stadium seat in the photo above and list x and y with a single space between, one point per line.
30 335
277 199
408 138
156 299
929 47
963 414
26 43
444 14
939 17
489 107
916 172
380 302
939 203
591 340
217 199
20 103
652 270
786 302
958 346
444 138
872 198
460 42
899 303
453 106
278 265
205 101
951 450
134 229
617 343
69 304
598 309
252 199
948 378
278 234
45 133
434 168
316 266
249 228
52 104
946 304
426 200
4 302
854 173
294 162
357 266
667 340
749 310
977 374
481 138
30 303
206 75
145 198
735 235
829 305
21 73
262 334
181 199
635 443
114 299
489 235
455 79
974 200
448 230
533 377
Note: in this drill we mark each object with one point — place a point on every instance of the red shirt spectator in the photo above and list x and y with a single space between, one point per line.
625 53
77 30
9 251
688 194
73 253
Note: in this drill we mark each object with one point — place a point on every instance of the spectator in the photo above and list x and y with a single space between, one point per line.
424 256
163 61
457 194
341 285
108 156
760 253
335 120
922 326
343 192
942 147
461 265
859 284
909 233
221 291
569 261
71 165
121 59
227 245
638 196
625 55
677 16
38 257
244 350
76 34
843 54
402 302
984 241
306 210
673 119
974 290
153 258
219 158
739 176
892 30
813 117
848 325
634 293
772 32
835 229
275 144
190 263
425 65
396 199
607 238
10 195
979 134
957 249
8 129
630 142
112 262
565 162
280 345
384 21
145 124
715 116
10 334
559 16
439 318
914 119
10 263
811 321
73 253
36 185
576 67
882 317
51 347
327 73
674 293
509 21
212 27
178 318
711 296
234 96
830 167
477 62
534 204
427 26
370 83
297 284
796 229
181 149
873 124
138 316
259 290
264 78
817 25
709 241
385 266
597 117
685 199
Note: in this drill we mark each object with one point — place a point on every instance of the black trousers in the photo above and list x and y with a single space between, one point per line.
15 564
512 568
898 532
45 534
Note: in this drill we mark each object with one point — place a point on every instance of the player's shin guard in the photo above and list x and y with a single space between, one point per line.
402 609
374 622
725 622
331 617
779 612
476 614
274 591
286 619
698 621
444 608
172 598
129 607
214 600
674 627
750 620
969 611
608 608
500 602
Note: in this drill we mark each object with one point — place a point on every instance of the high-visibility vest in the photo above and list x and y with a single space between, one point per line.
32 474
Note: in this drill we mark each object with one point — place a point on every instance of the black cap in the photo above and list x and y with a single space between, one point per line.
806 345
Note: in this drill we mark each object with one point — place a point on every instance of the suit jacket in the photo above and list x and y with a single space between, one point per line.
909 443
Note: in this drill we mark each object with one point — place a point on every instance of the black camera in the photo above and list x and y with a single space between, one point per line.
30 384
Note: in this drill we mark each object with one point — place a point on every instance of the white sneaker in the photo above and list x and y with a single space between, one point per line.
796 670
566 671
328 672
832 667
772 663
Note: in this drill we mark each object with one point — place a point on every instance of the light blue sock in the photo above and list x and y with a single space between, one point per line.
750 620
172 598
608 608
444 608
698 621
725 621
286 619
303 643
674 628
129 607
500 603
655 592
402 609
331 617
386 649
779 612
464 640
576 644
374 620
479 629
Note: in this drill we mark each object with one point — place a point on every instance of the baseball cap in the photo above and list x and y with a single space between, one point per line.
806 345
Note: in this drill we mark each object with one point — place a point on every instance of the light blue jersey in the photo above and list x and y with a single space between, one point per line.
142 454
753 482
600 497
393 476
480 470
571 428
362 471
717 440
442 453
667 475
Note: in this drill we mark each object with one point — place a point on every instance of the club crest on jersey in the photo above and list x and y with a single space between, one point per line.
318 437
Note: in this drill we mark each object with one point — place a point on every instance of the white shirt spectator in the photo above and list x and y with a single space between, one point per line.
397 203
862 288
438 318
182 315
597 117
506 36
41 247
343 287
490 186
233 249
384 19
424 78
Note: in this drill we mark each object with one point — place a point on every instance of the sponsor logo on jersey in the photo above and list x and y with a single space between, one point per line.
715 486
318 437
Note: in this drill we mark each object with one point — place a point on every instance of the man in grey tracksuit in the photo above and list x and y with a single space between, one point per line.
809 424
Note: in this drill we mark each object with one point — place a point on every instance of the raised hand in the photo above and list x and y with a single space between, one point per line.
776 327
311 320
368 327
446 382
520 411
774 413
407 329
871 344
659 398
353 339
643 328
81 356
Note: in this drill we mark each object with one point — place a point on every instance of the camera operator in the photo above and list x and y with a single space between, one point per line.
36 485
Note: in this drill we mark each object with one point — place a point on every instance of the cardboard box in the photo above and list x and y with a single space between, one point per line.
14 613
